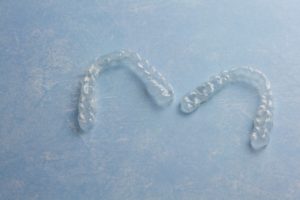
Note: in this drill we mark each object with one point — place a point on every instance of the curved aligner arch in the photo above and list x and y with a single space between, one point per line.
263 122
157 86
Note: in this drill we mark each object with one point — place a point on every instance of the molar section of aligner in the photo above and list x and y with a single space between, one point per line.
157 86
192 100
266 99
205 91
259 138
86 105
137 65
263 124
217 82
162 93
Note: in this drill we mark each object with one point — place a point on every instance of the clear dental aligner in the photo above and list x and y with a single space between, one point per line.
157 86
263 121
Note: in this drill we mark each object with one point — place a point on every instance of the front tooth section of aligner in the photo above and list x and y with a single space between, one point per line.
86 110
112 59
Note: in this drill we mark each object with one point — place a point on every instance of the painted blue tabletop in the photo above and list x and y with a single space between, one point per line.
137 150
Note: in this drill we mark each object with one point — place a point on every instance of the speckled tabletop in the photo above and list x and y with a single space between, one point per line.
137 150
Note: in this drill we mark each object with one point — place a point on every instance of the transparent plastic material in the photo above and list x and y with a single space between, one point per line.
263 121
157 86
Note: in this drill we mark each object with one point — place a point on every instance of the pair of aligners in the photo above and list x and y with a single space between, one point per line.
161 91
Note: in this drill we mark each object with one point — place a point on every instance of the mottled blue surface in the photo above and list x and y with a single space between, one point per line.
137 151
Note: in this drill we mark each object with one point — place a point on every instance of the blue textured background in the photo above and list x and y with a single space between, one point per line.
137 151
